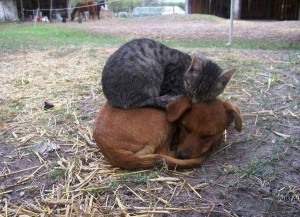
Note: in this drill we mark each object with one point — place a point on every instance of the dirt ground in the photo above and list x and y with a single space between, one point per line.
193 27
253 173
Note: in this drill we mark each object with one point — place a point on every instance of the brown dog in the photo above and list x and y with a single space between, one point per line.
142 138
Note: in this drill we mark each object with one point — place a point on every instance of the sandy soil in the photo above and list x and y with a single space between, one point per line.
193 27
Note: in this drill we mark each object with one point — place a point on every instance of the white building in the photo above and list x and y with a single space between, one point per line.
8 10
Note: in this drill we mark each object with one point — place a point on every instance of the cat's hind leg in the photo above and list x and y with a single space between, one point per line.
158 102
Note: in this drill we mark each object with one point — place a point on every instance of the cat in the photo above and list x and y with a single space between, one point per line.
146 73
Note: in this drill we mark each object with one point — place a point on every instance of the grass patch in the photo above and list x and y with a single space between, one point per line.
57 173
202 17
137 178
128 178
261 168
16 36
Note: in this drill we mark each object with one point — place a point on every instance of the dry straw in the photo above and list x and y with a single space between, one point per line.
75 180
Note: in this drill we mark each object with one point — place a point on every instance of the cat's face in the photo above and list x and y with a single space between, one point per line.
204 80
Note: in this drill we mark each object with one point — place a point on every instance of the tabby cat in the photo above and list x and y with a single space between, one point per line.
146 73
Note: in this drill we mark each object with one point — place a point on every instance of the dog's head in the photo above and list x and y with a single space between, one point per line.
201 125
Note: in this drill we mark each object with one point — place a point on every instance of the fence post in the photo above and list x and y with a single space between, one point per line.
69 6
231 23
50 11
36 17
22 10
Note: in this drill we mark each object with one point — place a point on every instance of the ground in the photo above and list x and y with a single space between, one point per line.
193 27
253 173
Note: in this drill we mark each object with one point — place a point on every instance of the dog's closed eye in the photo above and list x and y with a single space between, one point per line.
184 128
206 136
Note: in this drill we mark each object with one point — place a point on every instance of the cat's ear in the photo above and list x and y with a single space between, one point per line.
225 77
176 108
197 63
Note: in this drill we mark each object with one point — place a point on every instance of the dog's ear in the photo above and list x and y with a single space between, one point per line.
176 108
234 114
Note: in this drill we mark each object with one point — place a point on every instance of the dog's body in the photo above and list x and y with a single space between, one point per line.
142 138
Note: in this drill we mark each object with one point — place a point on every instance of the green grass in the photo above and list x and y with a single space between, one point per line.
138 178
262 167
15 36
127 178
57 173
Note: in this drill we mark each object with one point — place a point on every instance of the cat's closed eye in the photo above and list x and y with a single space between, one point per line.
192 69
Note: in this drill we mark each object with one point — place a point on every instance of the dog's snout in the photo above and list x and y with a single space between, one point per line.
182 155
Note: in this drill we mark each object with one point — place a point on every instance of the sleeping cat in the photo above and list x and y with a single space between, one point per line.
146 73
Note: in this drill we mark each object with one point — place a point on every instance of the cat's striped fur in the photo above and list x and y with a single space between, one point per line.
146 73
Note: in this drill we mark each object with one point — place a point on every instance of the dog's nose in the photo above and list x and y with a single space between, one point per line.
182 155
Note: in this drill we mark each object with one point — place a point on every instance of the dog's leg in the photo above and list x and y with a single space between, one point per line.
160 146
147 149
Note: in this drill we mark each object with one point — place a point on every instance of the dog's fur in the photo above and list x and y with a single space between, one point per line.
143 137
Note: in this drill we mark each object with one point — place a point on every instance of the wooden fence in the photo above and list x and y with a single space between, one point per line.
250 9
270 9
214 7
